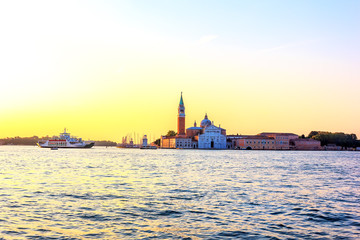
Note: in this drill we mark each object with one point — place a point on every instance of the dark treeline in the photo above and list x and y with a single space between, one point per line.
33 140
105 143
22 140
340 139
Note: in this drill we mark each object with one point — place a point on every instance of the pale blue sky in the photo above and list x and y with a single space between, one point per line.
255 24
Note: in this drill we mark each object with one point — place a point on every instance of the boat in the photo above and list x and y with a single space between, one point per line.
131 144
126 144
65 140
148 147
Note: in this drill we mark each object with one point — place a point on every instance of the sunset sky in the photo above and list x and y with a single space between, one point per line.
105 69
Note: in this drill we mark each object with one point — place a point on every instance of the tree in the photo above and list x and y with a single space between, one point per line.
171 133
339 138
157 142
313 133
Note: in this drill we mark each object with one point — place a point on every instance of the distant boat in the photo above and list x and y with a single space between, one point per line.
126 144
148 147
65 141
54 148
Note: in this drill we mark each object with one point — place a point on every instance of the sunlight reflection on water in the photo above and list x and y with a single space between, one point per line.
110 193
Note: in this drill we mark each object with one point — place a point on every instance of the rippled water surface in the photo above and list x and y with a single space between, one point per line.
110 193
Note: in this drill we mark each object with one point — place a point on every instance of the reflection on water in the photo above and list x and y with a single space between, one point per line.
109 193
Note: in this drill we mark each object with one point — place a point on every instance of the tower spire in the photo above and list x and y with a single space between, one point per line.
181 100
181 117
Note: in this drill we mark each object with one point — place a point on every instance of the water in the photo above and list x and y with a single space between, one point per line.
110 193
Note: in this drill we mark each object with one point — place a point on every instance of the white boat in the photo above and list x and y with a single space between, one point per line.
65 141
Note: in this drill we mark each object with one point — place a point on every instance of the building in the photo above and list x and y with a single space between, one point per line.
194 131
332 147
176 142
212 138
167 142
180 140
207 136
181 118
231 141
282 140
305 144
252 142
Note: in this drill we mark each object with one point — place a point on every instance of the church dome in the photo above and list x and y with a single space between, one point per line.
205 122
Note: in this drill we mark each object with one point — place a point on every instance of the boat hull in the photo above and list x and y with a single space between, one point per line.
148 147
89 145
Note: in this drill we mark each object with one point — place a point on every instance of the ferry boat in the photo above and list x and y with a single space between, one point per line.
65 141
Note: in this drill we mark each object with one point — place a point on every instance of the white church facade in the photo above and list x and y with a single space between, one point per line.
212 138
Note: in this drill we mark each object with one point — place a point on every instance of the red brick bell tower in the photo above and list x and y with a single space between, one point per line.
181 118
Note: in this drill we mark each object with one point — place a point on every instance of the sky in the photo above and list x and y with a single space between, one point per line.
106 69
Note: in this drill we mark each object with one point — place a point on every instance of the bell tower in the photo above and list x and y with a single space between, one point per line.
181 117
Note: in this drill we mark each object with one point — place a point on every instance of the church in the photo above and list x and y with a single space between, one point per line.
207 136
